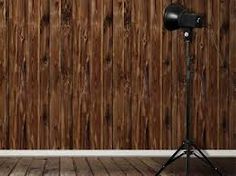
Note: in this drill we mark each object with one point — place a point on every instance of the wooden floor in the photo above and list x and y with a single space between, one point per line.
104 166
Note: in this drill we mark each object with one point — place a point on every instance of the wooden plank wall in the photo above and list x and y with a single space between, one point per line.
105 74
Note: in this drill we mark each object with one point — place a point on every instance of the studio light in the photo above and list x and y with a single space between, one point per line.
176 16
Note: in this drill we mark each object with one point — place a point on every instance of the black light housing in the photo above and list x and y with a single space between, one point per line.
176 16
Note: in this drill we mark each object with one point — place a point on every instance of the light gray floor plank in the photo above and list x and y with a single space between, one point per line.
126 167
37 167
67 167
21 167
8 166
97 167
111 167
52 167
82 167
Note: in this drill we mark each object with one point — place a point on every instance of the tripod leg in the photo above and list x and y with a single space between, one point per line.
187 160
206 160
170 160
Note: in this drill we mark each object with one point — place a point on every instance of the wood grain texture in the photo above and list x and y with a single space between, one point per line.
36 167
105 74
66 71
21 167
82 167
97 167
232 75
32 75
166 85
18 124
67 167
4 73
111 166
55 76
44 70
85 61
118 74
96 76
7 166
223 69
52 167
135 75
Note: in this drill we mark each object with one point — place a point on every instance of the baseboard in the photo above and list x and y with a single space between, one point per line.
106 153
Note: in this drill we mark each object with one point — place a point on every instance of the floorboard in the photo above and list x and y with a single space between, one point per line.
82 167
104 166
21 167
8 166
97 167
112 167
37 167
52 167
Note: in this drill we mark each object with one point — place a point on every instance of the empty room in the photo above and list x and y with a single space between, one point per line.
117 87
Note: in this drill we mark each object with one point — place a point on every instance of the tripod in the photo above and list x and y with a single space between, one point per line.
187 147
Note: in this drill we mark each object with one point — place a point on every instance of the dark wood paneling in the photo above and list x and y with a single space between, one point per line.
3 73
32 74
107 75
232 75
44 71
55 75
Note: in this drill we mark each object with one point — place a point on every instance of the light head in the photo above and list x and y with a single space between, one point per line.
176 17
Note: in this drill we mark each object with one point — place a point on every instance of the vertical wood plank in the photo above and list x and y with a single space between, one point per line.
17 74
212 64
107 73
127 138
200 80
135 74
118 74
155 69
96 76
224 75
232 75
32 75
145 73
85 60
174 87
66 71
4 74
44 72
77 91
166 85
204 77
55 77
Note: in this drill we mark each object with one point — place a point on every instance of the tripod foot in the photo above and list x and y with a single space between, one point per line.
171 159
189 146
206 161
